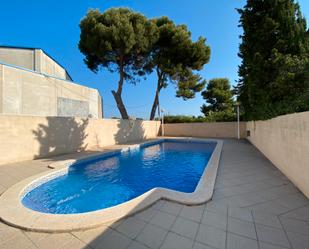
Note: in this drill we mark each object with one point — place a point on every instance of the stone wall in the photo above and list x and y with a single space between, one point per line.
284 140
26 137
215 130
29 93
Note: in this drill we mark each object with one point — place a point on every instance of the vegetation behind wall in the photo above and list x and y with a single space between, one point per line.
274 74
214 117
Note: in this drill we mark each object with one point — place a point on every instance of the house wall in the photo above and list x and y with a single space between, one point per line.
29 93
216 130
284 140
48 66
26 137
1 89
19 57
32 59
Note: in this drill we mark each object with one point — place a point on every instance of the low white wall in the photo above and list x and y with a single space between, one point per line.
26 137
284 140
216 129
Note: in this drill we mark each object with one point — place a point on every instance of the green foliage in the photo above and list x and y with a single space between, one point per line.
188 84
127 42
213 117
183 119
274 50
118 37
119 40
175 58
222 116
219 96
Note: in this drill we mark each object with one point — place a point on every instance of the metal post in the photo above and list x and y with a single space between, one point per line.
238 132
159 108
162 123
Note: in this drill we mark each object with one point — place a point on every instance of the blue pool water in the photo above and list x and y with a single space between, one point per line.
114 179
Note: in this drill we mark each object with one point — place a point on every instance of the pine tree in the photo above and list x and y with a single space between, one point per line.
120 40
219 98
176 58
274 52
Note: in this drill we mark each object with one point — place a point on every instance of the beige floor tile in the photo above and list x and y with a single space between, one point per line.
2 189
53 241
185 227
192 212
163 220
146 214
298 241
93 235
19 241
175 241
75 244
215 219
211 236
240 213
198 245
131 227
299 213
152 236
137 245
242 228
218 206
35 237
239 242
113 240
7 232
171 207
296 226
266 219
264 245
272 236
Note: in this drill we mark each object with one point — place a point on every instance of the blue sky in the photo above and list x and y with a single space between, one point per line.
53 26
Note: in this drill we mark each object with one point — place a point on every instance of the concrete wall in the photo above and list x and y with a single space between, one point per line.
1 89
28 93
33 59
219 130
18 57
25 137
50 67
284 140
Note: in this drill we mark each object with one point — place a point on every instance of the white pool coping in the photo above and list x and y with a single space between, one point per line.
14 213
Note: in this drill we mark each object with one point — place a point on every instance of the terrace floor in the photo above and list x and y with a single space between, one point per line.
254 207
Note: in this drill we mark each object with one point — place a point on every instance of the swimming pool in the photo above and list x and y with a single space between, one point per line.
122 176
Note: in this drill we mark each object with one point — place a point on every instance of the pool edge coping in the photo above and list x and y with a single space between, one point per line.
14 213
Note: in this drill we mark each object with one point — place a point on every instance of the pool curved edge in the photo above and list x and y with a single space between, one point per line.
14 213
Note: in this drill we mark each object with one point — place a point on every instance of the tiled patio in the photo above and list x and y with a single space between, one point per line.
254 206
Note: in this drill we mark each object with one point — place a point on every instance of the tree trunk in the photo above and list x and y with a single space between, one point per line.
156 99
154 106
120 105
117 96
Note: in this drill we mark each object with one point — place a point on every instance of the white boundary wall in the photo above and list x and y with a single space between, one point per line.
26 137
284 140
210 130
